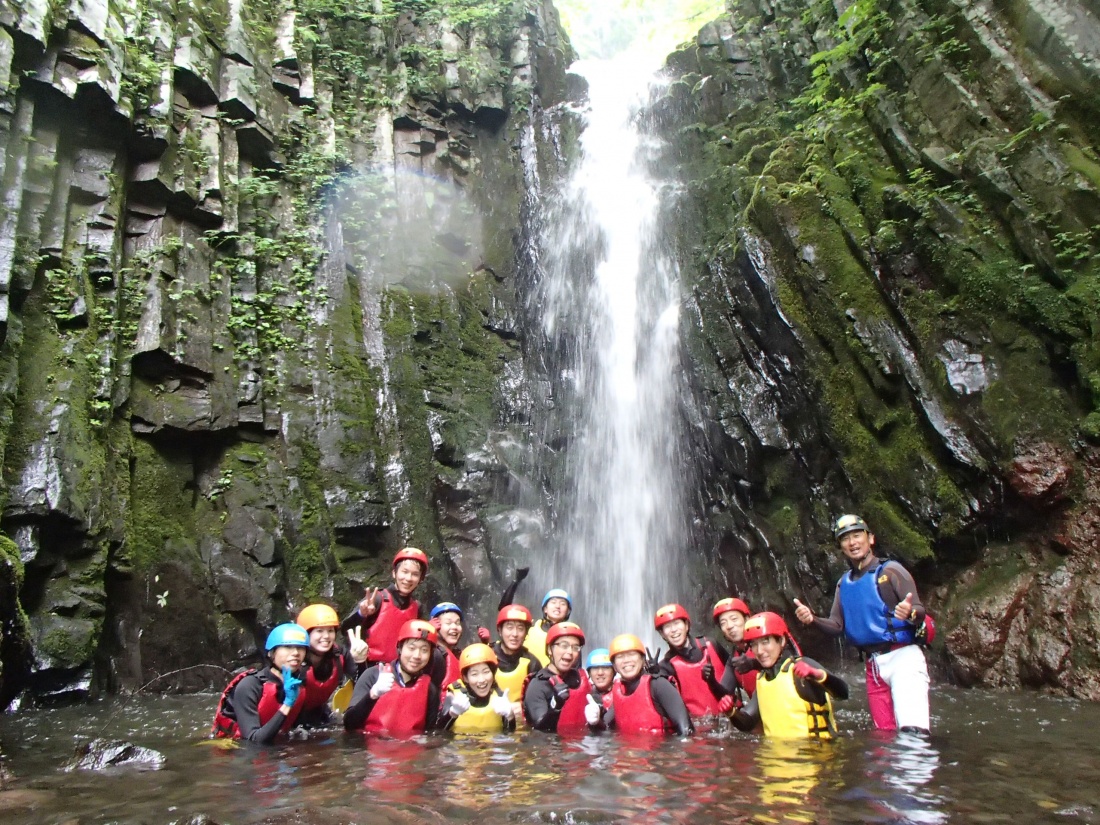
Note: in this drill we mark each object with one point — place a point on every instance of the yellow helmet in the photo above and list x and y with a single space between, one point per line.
318 615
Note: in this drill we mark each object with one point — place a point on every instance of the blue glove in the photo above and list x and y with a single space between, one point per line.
291 687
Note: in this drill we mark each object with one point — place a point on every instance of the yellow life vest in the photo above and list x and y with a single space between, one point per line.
535 642
512 681
478 720
785 714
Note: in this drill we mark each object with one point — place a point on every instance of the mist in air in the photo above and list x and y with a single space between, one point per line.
646 29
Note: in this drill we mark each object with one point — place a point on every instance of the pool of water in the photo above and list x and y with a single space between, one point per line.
993 757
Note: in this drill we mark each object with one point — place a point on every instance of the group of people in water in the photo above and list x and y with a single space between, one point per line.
411 676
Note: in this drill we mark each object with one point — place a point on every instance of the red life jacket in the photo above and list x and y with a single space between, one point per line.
318 692
382 636
453 673
697 694
401 711
225 726
635 712
571 719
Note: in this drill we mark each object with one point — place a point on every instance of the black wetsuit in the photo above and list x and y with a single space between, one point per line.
748 717
361 704
541 706
244 707
666 700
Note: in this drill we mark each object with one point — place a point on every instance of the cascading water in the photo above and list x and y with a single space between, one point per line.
609 301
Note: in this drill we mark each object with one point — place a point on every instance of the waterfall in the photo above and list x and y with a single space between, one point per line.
608 299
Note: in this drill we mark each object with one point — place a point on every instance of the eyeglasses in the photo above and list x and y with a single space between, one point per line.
565 646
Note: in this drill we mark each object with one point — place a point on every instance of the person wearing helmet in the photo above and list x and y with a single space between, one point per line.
695 664
559 698
793 696
730 615
877 609
601 674
556 607
516 665
642 702
446 618
326 664
475 703
382 613
398 697
258 705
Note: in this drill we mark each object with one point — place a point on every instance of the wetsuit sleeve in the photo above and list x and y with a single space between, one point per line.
748 717
729 681
666 668
722 653
899 583
509 595
439 667
361 704
435 700
352 669
536 706
246 705
834 625
814 692
671 705
354 619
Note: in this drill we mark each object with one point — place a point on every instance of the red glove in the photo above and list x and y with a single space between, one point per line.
726 704
483 635
806 671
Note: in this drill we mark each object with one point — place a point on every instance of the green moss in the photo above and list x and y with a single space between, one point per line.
162 495
71 644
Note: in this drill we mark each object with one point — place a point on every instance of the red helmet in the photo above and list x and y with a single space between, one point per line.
670 613
765 624
727 605
414 554
561 629
417 629
514 613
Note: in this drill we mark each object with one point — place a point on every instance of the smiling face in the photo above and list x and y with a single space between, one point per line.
321 639
287 656
602 677
556 610
479 679
732 625
565 653
414 656
450 628
407 575
767 649
512 635
675 632
629 665
857 547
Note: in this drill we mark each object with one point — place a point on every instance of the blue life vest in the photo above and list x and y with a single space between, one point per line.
867 620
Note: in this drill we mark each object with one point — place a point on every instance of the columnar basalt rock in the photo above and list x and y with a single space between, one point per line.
256 272
895 206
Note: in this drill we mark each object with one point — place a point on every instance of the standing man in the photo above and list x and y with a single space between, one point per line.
877 608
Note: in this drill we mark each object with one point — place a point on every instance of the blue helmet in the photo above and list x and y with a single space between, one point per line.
600 657
287 635
445 607
556 593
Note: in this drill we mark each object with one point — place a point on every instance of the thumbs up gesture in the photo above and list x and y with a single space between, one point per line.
502 706
356 646
803 613
904 610
592 711
383 686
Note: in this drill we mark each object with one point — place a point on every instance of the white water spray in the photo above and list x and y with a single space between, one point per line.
610 303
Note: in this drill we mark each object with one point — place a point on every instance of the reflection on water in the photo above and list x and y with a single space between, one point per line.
993 758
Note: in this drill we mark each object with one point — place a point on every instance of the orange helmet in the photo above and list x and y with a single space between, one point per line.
765 624
514 613
563 629
477 654
727 605
417 629
414 554
670 613
318 615
625 642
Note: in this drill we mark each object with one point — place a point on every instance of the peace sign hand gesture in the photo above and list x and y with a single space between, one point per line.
369 605
356 646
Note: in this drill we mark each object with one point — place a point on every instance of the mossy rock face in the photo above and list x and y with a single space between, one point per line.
15 644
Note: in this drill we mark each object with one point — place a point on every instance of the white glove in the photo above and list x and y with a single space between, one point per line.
592 711
459 703
356 646
384 684
502 706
